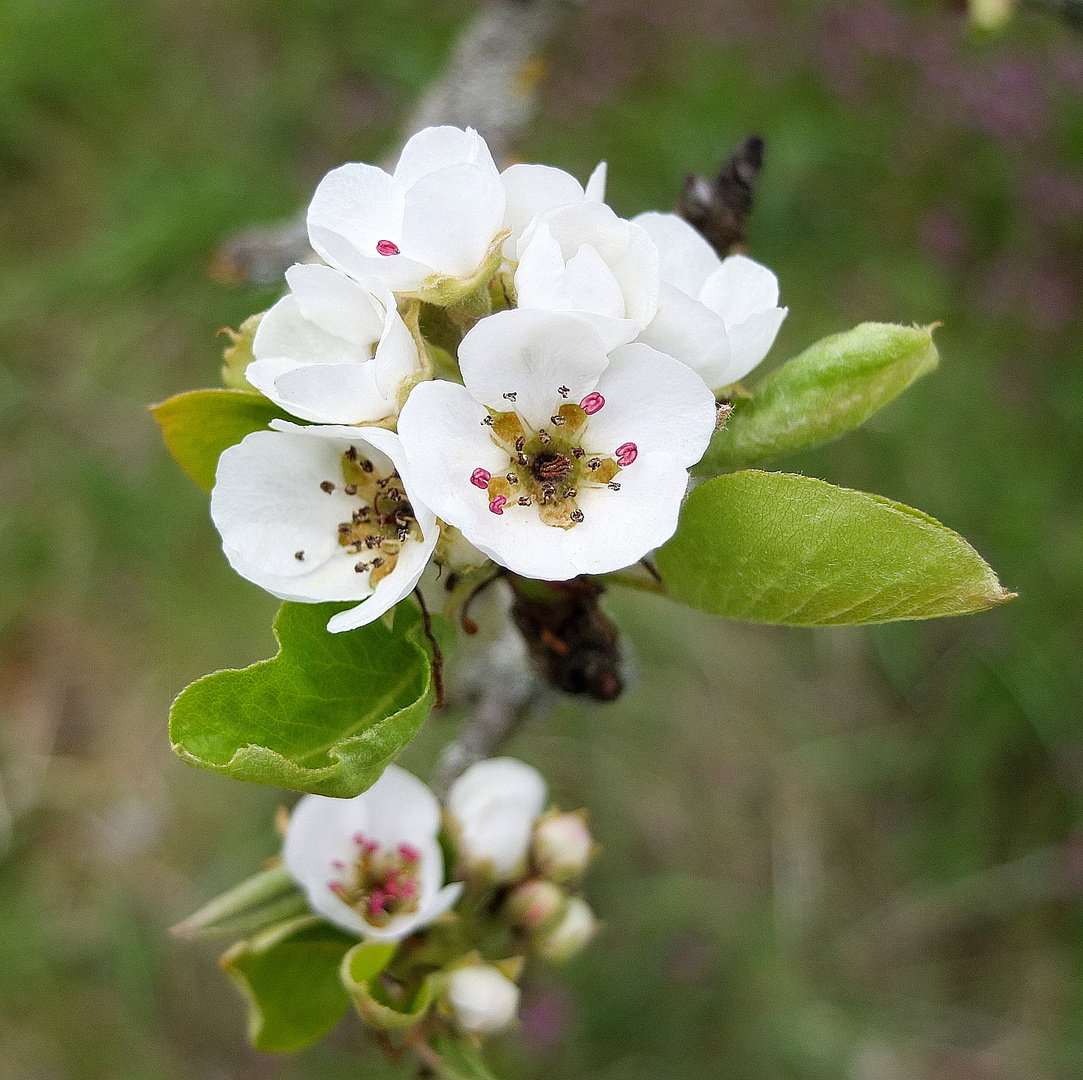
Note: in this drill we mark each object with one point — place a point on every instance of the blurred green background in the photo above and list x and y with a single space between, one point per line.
828 855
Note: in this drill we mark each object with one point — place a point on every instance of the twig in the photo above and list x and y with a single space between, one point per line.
437 652
489 84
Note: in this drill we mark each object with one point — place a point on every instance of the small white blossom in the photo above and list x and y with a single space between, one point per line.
323 513
334 351
557 459
570 935
482 999
372 864
718 316
494 805
562 847
583 259
430 228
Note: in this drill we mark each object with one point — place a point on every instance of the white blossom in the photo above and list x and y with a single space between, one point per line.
494 805
583 259
557 459
431 228
718 316
372 864
333 350
323 513
570 935
533 189
482 999
562 846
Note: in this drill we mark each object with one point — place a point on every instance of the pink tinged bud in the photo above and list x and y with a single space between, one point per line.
387 247
533 904
480 477
409 852
626 454
562 847
592 403
570 935
497 505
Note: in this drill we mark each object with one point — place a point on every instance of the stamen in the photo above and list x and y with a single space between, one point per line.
520 442
578 452
512 478
327 486
510 396
409 852
299 556
350 489
557 420
525 500
497 505
576 516
592 403
387 247
614 486
360 568
570 493
544 437
563 391
626 454
487 421
351 454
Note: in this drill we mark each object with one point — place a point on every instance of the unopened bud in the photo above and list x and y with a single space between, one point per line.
482 999
562 847
534 904
570 935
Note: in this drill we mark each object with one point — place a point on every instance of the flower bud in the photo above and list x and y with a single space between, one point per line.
570 935
534 904
482 999
562 847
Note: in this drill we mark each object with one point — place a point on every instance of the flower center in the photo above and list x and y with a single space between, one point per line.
548 467
380 883
383 521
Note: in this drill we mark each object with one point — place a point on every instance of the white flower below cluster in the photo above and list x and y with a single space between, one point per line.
718 316
333 351
323 513
493 806
482 999
557 458
372 864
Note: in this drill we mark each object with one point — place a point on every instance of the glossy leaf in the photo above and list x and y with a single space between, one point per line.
325 715
198 425
290 976
832 387
777 548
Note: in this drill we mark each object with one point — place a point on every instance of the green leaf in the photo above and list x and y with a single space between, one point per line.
268 897
833 386
200 424
378 1006
777 548
325 715
289 974
461 1059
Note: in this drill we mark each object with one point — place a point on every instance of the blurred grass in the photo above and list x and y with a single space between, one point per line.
839 854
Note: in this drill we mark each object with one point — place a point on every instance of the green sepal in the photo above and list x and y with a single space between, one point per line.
289 974
269 897
777 548
831 388
237 355
325 715
379 1007
198 425
460 1058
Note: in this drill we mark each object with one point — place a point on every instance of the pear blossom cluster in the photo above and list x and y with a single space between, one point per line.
375 866
493 357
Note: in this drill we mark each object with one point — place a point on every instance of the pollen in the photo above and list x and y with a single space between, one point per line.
387 247
381 883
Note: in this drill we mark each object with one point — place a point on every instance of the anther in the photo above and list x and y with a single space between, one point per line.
351 454
578 452
522 459
525 500
557 420
487 421
373 541
570 493
343 527
576 516
564 391
548 490
626 454
387 247
299 556
350 489
544 437
510 396
360 568
614 486
480 477
367 466
378 561
594 463
327 486
512 478
394 494
497 505
520 442
592 403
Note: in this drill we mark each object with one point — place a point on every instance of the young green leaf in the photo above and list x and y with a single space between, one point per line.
325 715
268 897
374 1002
289 974
777 548
200 424
833 386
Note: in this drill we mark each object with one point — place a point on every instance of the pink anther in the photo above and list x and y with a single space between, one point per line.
387 247
377 901
338 864
626 454
480 477
497 505
592 403
409 852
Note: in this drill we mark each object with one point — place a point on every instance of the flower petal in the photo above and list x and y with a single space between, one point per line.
336 303
691 333
358 203
435 148
284 334
751 340
530 189
740 287
686 258
333 393
595 189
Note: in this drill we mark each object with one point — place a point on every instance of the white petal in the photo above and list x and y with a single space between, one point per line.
740 287
531 354
595 189
334 393
395 271
450 218
637 272
751 340
502 778
692 333
401 809
284 334
397 359
482 998
336 303
530 189
545 280
654 401
435 148
686 258
359 204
